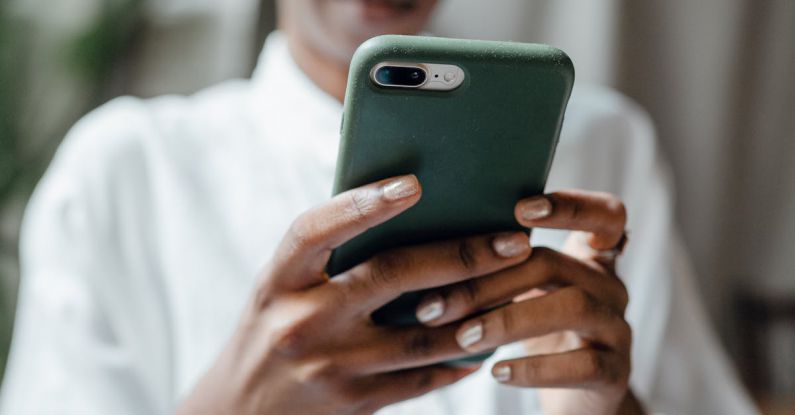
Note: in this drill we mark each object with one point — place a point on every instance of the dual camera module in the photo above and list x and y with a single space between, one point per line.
425 76
405 76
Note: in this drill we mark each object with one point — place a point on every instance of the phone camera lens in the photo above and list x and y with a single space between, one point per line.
384 76
400 76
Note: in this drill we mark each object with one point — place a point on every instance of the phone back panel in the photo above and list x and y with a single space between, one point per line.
476 150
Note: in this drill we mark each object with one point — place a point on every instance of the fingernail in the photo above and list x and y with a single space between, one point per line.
511 245
502 373
535 208
471 335
430 309
401 188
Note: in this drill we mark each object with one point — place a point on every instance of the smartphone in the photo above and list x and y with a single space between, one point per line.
476 121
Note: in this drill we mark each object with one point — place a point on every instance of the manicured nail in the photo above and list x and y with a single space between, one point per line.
401 188
535 208
430 309
502 373
511 245
471 335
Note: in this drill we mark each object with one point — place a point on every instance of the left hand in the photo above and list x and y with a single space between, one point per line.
566 307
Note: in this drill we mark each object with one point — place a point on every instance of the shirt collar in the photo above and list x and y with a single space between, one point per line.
277 76
294 113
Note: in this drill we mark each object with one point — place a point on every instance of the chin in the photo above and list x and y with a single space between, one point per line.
351 22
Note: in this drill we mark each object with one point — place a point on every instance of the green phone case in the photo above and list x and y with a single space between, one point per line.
476 150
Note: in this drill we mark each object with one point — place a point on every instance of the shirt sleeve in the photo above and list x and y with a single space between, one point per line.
679 366
88 338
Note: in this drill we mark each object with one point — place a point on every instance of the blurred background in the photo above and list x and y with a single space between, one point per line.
717 76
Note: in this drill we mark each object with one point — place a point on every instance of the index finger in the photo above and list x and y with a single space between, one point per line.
389 274
304 251
601 214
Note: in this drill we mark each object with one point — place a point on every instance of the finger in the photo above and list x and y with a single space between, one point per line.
384 389
383 278
581 368
545 268
567 309
304 251
602 214
578 245
396 348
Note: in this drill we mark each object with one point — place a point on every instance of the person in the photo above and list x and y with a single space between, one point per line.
144 289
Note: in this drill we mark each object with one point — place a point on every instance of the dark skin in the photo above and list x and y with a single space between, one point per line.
309 336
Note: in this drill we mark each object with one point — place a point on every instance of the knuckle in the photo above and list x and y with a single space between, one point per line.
529 371
617 208
289 341
325 370
463 298
580 304
470 292
593 365
360 205
507 323
292 336
418 344
385 269
625 333
466 254
577 208
424 380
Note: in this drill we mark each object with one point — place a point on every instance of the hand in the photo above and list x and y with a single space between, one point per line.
566 307
306 344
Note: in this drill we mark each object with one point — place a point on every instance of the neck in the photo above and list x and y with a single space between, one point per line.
328 74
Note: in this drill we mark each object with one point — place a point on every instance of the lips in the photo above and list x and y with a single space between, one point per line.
397 4
385 9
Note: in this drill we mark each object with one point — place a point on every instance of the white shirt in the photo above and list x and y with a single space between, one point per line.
144 239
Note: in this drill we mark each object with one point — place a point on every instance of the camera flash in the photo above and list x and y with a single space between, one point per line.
449 76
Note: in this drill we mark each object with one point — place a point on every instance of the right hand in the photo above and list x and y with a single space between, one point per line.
306 344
